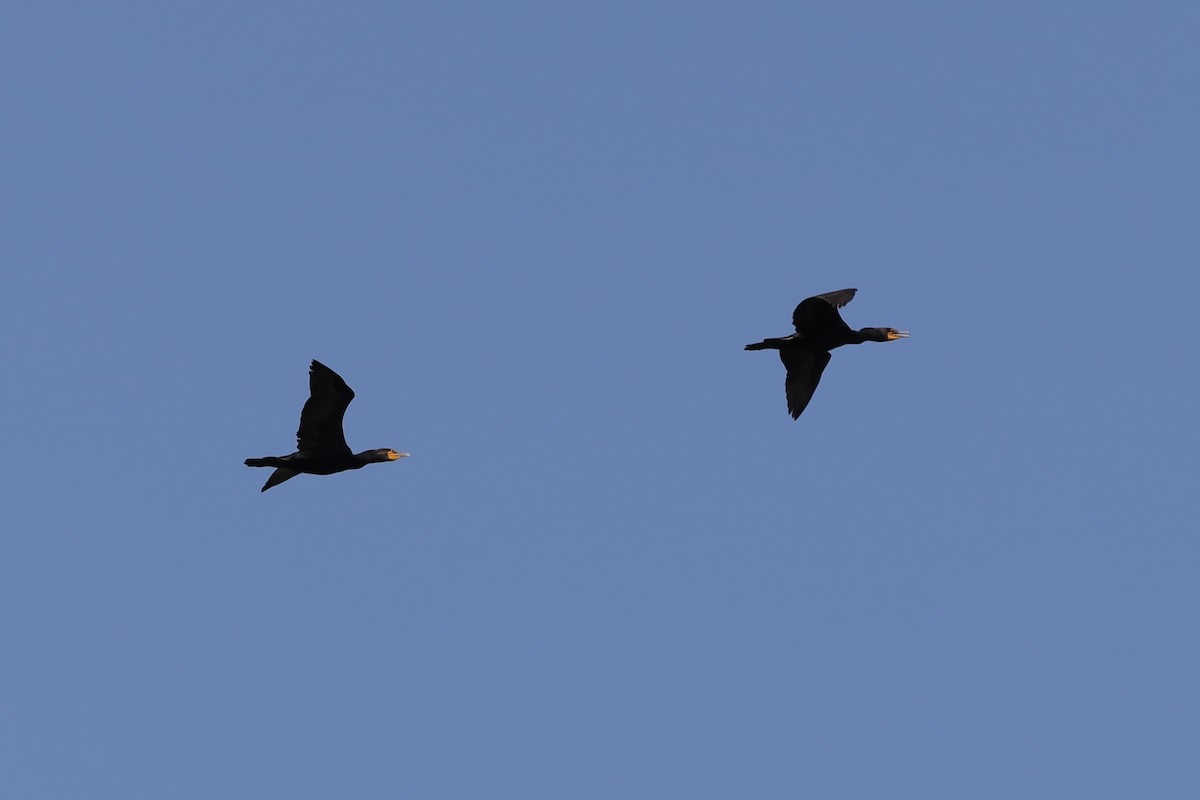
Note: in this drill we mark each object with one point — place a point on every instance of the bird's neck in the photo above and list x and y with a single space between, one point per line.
869 335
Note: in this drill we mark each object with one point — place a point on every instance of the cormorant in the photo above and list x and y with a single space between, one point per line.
320 444
819 329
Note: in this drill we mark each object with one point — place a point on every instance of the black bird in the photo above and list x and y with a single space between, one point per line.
320 444
819 329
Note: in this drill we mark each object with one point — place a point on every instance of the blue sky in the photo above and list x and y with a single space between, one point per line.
534 238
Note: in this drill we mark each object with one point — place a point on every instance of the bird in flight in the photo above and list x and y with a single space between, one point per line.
321 447
819 329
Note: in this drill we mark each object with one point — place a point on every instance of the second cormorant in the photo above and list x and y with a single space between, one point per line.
819 329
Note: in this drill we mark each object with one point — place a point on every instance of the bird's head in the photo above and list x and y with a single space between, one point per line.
388 454
882 334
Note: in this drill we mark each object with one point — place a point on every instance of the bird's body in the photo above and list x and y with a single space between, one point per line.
819 329
321 447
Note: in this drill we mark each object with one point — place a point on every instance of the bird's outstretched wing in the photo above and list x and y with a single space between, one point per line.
820 311
839 298
321 418
803 374
277 477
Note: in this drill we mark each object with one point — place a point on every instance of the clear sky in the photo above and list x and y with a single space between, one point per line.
534 237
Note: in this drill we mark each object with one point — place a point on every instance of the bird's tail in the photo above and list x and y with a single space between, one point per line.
765 344
258 462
